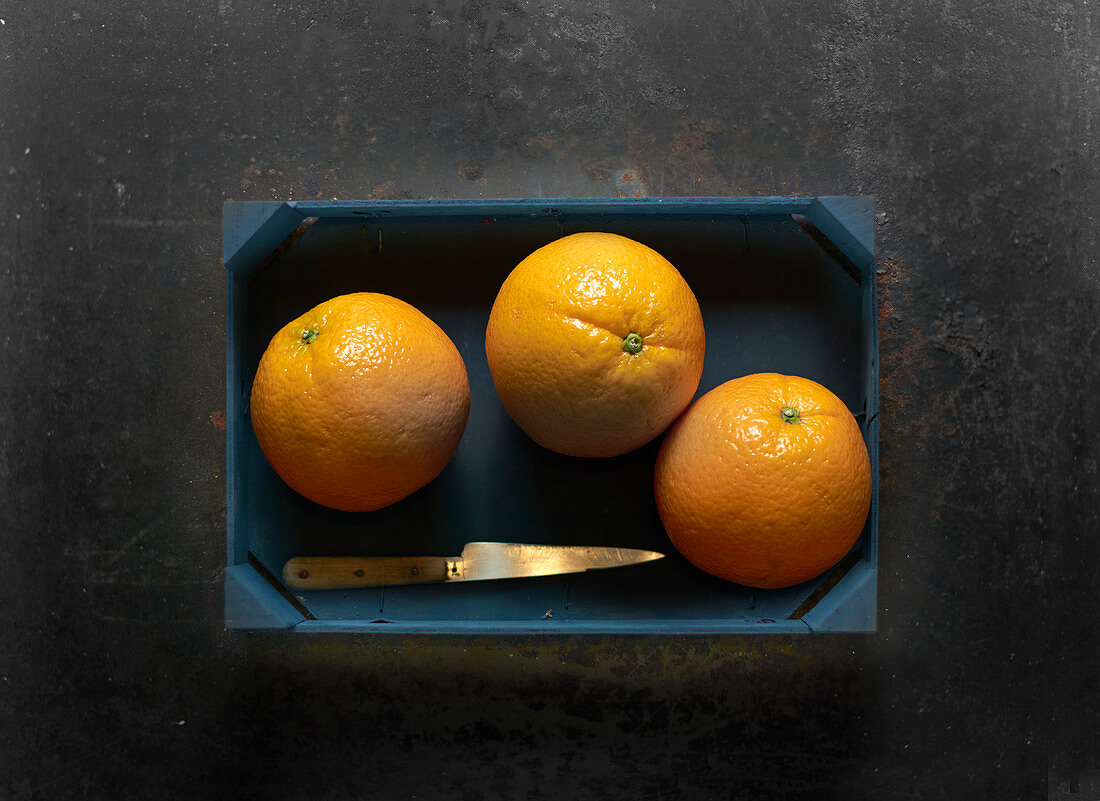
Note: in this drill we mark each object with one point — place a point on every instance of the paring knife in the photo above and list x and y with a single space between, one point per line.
479 561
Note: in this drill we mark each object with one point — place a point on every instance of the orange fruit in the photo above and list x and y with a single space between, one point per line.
765 481
360 402
595 343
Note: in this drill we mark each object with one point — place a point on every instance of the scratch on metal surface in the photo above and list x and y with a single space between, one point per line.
131 222
117 554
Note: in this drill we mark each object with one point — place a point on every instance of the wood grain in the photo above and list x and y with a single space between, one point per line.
345 572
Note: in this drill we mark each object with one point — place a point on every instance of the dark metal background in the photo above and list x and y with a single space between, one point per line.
123 127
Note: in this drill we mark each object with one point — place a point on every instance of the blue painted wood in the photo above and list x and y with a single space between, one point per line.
762 207
849 222
807 319
553 626
869 542
252 230
235 404
850 605
862 220
869 287
252 603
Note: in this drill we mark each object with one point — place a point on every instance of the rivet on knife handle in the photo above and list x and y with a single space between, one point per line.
346 572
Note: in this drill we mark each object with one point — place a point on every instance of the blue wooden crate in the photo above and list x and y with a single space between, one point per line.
786 284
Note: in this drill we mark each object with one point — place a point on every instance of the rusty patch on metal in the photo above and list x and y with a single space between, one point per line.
691 143
888 276
904 348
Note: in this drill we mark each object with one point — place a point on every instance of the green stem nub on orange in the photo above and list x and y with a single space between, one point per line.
309 335
790 415
632 343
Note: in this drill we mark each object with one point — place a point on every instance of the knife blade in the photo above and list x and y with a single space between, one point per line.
479 561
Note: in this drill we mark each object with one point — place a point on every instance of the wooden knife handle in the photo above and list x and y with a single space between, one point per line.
345 572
